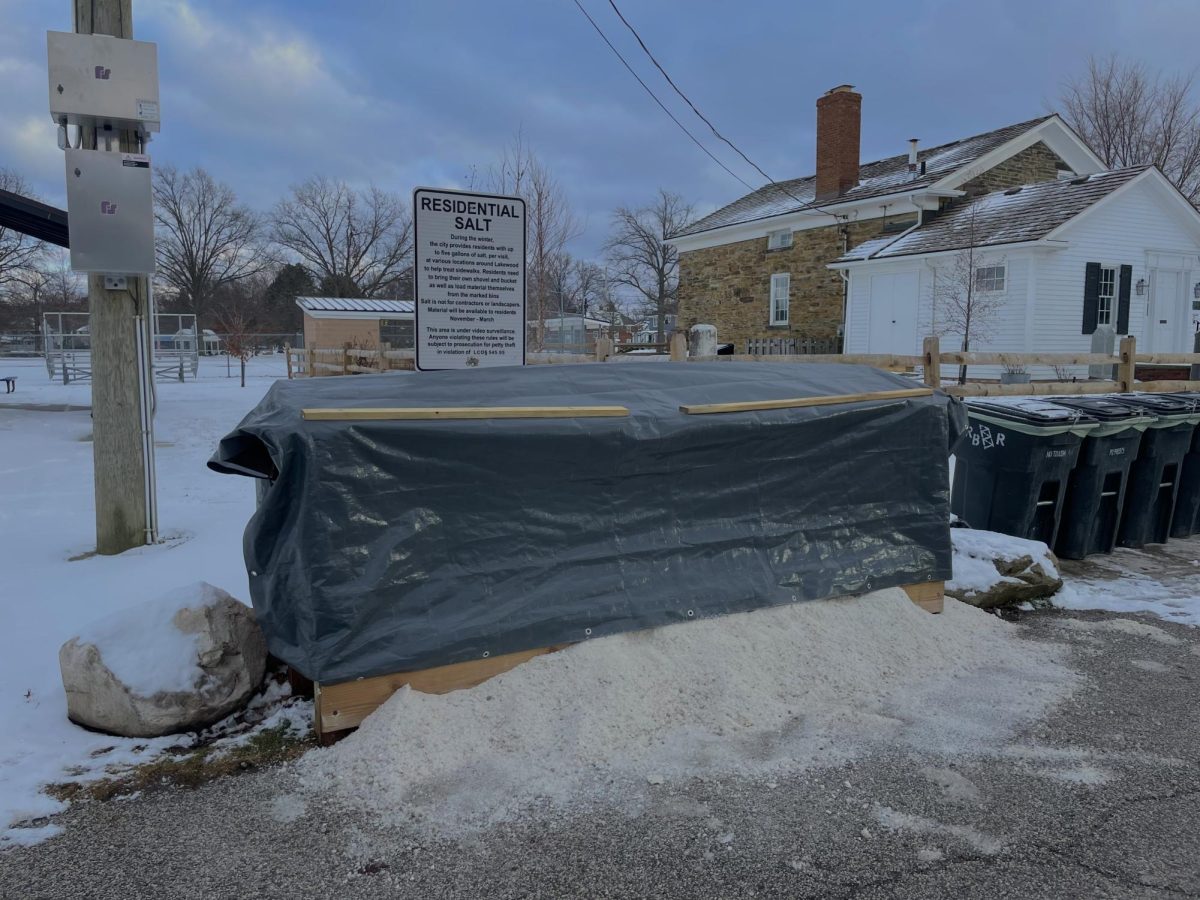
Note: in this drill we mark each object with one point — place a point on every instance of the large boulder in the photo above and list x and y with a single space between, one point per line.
993 570
175 664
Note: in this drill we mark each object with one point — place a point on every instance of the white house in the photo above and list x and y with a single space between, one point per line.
1055 261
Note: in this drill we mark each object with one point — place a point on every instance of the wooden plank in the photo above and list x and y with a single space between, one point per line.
1027 359
701 409
929 595
337 707
465 412
1066 388
1168 359
1127 368
930 362
877 360
1166 387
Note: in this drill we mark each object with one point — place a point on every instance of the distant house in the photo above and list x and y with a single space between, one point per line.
760 267
1064 260
357 322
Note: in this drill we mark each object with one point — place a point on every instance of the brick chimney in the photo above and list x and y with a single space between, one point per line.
839 117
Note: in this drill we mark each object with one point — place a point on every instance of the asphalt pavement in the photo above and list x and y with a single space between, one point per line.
1100 799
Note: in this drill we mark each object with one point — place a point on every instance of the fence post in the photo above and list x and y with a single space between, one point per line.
678 347
345 360
933 361
310 362
603 348
1127 367
287 354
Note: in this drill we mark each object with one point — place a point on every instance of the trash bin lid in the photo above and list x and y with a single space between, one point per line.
1161 405
1100 407
1031 414
1028 411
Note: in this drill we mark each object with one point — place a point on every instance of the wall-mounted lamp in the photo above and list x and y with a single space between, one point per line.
1140 287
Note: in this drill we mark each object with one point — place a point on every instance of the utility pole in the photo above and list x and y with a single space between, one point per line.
122 437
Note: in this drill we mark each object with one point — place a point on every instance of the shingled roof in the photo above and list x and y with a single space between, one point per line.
876 179
1019 214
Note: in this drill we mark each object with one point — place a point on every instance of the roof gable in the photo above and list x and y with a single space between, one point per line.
958 160
1017 215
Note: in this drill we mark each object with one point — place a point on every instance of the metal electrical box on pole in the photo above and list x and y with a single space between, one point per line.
105 85
111 206
102 82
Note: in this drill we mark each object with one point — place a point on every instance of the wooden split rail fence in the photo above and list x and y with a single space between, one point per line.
928 365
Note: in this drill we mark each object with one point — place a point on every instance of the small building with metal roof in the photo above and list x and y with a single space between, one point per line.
370 324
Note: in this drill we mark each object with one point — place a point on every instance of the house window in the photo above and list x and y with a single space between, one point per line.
780 285
779 240
398 334
989 279
1106 295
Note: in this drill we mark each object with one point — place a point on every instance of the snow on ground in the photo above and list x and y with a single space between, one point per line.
51 586
748 694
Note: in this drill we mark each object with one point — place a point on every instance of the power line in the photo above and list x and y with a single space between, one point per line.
704 118
661 105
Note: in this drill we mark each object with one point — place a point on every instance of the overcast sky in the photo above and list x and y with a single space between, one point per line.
264 93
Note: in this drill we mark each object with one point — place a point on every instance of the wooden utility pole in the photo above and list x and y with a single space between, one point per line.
123 513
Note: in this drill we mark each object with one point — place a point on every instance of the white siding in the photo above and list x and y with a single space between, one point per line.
1043 298
1123 231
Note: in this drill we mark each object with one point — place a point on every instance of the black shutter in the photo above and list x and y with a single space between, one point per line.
1123 300
1091 297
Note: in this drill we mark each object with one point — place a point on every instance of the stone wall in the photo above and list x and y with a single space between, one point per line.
1032 165
730 286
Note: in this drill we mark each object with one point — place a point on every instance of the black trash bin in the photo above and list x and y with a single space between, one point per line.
1010 473
1096 489
1154 476
1186 520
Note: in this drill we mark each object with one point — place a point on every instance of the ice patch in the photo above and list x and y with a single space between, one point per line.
1148 665
287 808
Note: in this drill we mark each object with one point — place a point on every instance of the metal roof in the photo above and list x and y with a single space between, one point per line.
354 305
875 179
1015 215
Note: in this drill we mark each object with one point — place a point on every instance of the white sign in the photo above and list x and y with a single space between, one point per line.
470 279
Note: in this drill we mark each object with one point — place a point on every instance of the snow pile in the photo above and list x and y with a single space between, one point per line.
744 695
975 553
145 650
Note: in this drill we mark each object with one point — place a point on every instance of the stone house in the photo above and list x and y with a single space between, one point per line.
759 267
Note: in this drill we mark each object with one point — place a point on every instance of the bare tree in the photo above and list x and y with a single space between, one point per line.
966 302
236 327
205 240
1131 116
18 252
550 223
355 243
640 256
47 285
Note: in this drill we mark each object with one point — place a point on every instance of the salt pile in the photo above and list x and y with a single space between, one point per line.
746 695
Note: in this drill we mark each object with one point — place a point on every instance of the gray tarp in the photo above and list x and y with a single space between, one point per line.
384 546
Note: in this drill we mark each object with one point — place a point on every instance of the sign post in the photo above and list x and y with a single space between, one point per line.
470 279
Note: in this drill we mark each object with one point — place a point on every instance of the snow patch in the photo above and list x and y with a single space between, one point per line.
1122 626
895 820
143 647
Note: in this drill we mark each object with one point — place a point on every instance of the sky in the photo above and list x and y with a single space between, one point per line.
407 93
